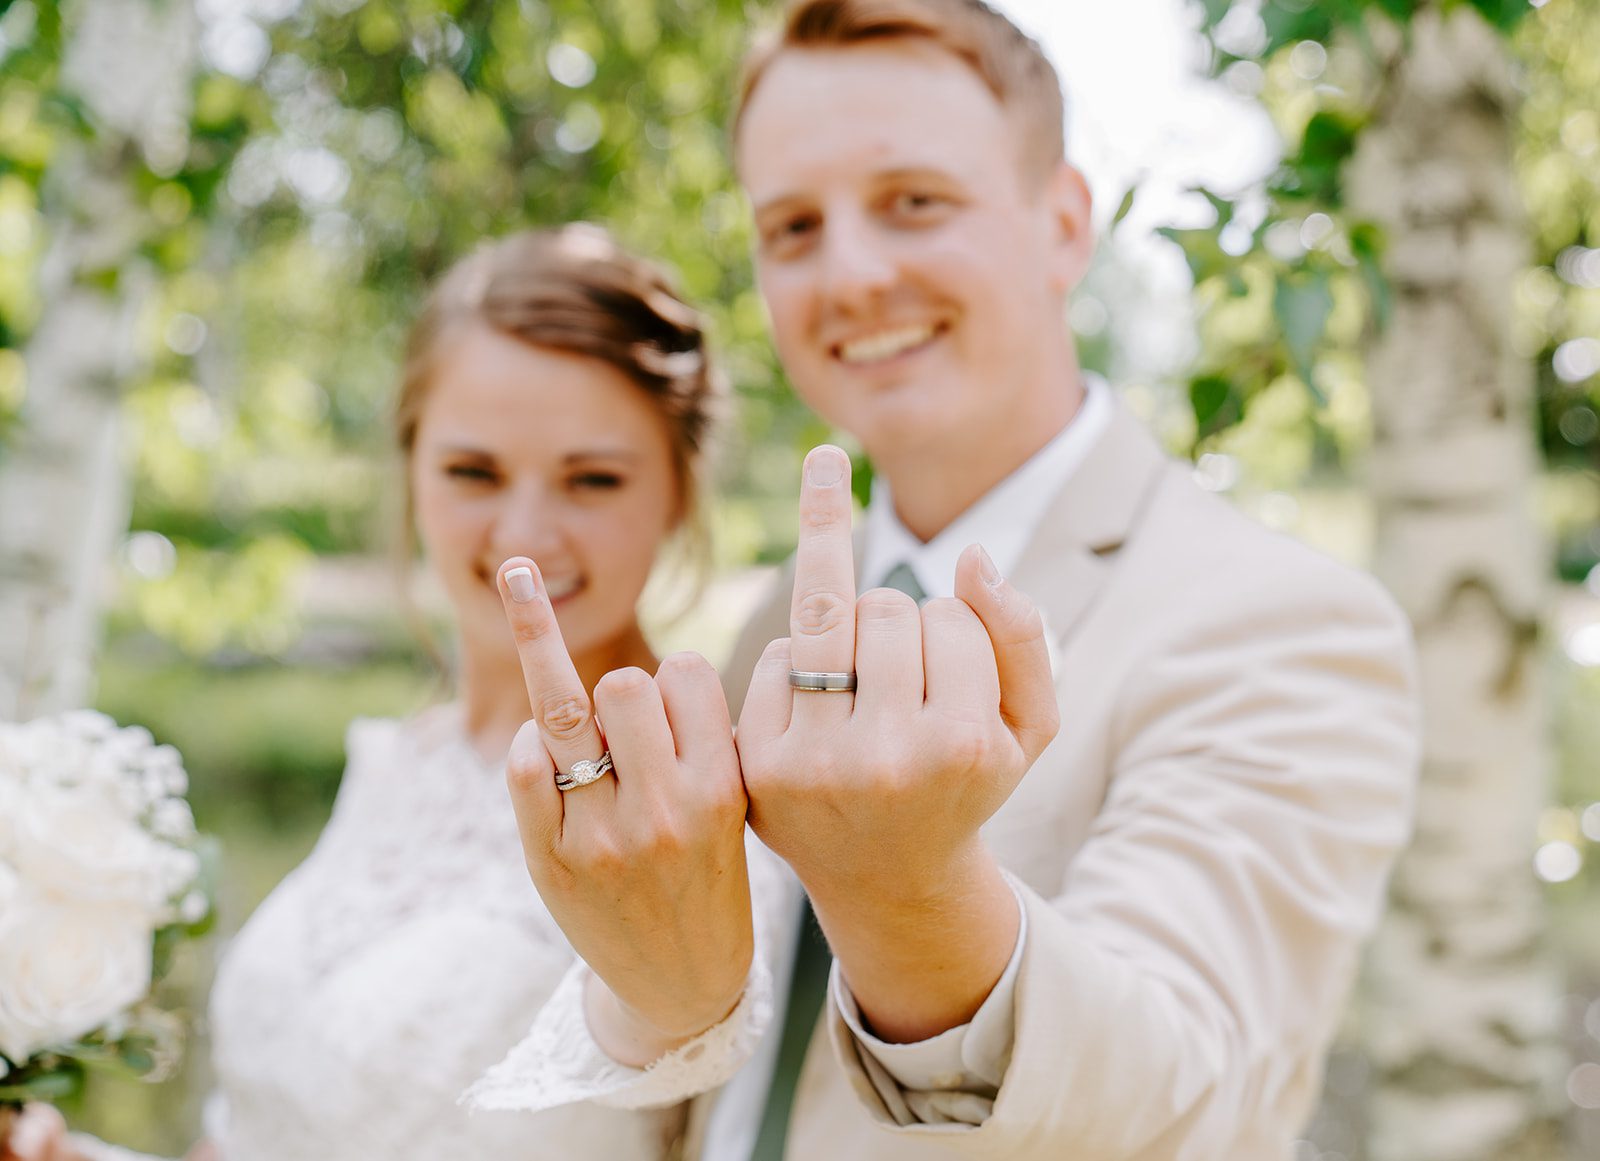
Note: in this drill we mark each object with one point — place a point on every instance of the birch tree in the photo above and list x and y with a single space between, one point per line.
1405 161
63 479
1464 1033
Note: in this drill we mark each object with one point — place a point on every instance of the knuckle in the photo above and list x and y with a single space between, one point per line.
1028 623
948 611
622 683
662 838
601 852
823 514
526 770
885 605
776 655
966 746
683 668
535 624
820 613
565 716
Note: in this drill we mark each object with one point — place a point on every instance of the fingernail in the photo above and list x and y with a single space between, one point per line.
824 467
520 582
986 568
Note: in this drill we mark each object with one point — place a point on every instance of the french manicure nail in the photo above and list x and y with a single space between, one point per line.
824 467
520 582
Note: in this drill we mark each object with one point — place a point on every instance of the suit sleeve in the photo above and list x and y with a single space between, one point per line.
1176 994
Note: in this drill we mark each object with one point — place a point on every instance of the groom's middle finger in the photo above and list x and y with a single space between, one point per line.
822 619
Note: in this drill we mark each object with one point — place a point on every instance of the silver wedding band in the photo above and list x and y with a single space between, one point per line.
821 682
583 773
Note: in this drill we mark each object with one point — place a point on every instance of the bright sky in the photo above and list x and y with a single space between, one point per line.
1138 103
1141 110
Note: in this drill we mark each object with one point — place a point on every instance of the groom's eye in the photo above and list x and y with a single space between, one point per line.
789 233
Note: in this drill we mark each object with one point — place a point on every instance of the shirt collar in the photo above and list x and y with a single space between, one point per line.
1002 520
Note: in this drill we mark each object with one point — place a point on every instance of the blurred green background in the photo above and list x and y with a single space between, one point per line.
334 156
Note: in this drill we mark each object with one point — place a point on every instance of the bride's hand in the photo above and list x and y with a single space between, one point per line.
39 1134
644 869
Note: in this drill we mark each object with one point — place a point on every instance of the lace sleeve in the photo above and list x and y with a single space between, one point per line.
94 1149
559 1063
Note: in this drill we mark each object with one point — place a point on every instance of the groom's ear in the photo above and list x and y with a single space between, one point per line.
1069 222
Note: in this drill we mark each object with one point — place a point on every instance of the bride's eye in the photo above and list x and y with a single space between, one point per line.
596 481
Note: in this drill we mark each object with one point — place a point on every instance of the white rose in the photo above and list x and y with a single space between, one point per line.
66 967
75 843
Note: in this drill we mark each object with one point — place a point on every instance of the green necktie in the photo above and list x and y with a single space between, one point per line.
808 988
901 577
808 983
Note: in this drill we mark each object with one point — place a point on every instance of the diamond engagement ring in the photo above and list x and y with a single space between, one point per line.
822 682
583 773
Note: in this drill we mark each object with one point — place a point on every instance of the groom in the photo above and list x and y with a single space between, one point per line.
1139 949
1093 818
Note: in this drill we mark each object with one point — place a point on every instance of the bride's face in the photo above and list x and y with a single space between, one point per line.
558 456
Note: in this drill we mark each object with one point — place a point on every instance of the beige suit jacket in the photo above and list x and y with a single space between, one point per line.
1203 847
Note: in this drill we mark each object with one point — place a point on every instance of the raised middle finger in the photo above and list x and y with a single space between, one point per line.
822 627
556 695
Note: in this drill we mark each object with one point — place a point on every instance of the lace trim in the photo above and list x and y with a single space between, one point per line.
559 1063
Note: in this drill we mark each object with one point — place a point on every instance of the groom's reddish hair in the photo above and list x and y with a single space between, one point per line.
1008 61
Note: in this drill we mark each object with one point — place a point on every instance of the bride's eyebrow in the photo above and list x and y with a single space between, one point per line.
623 455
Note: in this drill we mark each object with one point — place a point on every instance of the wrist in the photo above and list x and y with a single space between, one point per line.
907 889
631 1037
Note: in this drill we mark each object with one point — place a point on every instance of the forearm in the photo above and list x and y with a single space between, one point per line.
920 958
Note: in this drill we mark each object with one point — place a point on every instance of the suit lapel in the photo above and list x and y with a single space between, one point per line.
1067 561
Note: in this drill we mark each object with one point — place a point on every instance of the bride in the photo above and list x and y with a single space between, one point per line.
555 406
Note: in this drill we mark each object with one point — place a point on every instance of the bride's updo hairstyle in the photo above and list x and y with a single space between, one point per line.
575 289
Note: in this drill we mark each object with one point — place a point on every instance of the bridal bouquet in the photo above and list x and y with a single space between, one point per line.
100 877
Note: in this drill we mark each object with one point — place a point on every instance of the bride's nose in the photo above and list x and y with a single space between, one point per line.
527 523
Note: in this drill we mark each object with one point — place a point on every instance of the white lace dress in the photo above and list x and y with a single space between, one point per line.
407 955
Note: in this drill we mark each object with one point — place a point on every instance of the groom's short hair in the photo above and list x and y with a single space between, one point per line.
1005 58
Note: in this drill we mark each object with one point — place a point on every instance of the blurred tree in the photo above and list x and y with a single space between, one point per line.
106 83
1466 1033
1393 239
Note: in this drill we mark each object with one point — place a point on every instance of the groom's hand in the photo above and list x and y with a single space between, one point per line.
644 869
875 797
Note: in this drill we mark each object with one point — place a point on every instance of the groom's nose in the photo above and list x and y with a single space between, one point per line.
857 268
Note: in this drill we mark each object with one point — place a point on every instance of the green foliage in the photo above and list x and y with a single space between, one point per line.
1309 270
313 203
263 739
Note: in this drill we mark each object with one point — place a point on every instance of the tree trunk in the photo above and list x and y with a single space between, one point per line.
63 480
1463 1035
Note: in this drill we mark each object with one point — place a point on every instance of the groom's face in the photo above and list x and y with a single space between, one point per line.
914 271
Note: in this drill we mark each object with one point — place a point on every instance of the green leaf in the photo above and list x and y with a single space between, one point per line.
49 1086
1315 170
1202 251
1367 244
1290 21
1302 305
1503 14
1223 206
861 479
1216 404
1400 11
1126 206
1215 10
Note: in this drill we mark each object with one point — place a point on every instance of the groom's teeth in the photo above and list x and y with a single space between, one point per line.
885 344
561 588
